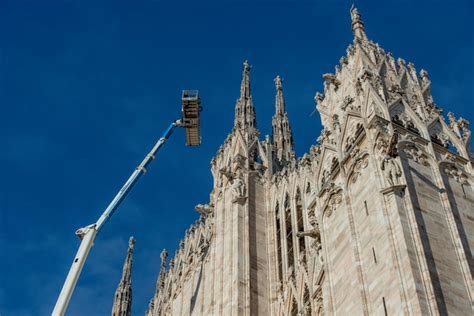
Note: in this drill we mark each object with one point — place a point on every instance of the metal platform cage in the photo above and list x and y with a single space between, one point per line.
191 108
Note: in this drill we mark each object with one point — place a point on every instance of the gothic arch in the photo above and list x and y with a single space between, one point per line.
454 170
359 163
441 134
353 128
373 105
403 115
415 152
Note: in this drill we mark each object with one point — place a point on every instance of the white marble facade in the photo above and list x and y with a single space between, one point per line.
376 219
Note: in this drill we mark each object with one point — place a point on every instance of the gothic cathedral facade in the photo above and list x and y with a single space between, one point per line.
376 219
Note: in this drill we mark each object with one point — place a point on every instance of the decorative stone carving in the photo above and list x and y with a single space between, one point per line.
453 124
326 136
204 209
460 128
318 98
330 79
439 136
333 203
416 154
455 172
391 170
360 164
353 133
316 235
395 92
466 132
424 78
238 189
403 119
346 102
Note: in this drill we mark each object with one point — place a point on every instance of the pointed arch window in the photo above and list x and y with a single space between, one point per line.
289 233
278 239
300 225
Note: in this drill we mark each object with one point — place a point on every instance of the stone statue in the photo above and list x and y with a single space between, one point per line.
238 188
163 256
463 124
453 124
355 15
424 77
278 84
391 170
246 66
131 243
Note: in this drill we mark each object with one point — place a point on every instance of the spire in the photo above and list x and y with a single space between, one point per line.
280 102
123 295
357 24
282 135
244 109
245 85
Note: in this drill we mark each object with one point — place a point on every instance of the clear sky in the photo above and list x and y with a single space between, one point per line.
86 87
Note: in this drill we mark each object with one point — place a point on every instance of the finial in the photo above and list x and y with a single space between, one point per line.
163 256
245 86
247 66
131 243
357 24
278 84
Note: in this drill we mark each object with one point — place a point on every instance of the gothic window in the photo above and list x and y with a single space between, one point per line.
289 233
278 239
300 225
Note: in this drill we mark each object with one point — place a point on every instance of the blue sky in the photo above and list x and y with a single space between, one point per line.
86 87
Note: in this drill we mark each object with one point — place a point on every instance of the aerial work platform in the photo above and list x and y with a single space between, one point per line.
191 106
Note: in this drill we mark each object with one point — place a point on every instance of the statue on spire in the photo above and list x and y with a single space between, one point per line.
245 86
278 81
357 24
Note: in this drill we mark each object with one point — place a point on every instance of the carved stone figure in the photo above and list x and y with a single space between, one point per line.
355 15
453 124
456 173
278 84
424 78
466 132
347 100
330 79
318 97
238 188
391 170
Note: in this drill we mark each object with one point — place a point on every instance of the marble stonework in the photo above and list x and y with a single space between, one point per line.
376 219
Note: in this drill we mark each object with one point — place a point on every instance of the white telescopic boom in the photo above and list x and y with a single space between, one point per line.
88 234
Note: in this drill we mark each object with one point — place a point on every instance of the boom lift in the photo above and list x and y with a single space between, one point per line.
190 120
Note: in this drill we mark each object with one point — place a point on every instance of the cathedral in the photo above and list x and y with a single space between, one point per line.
376 219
